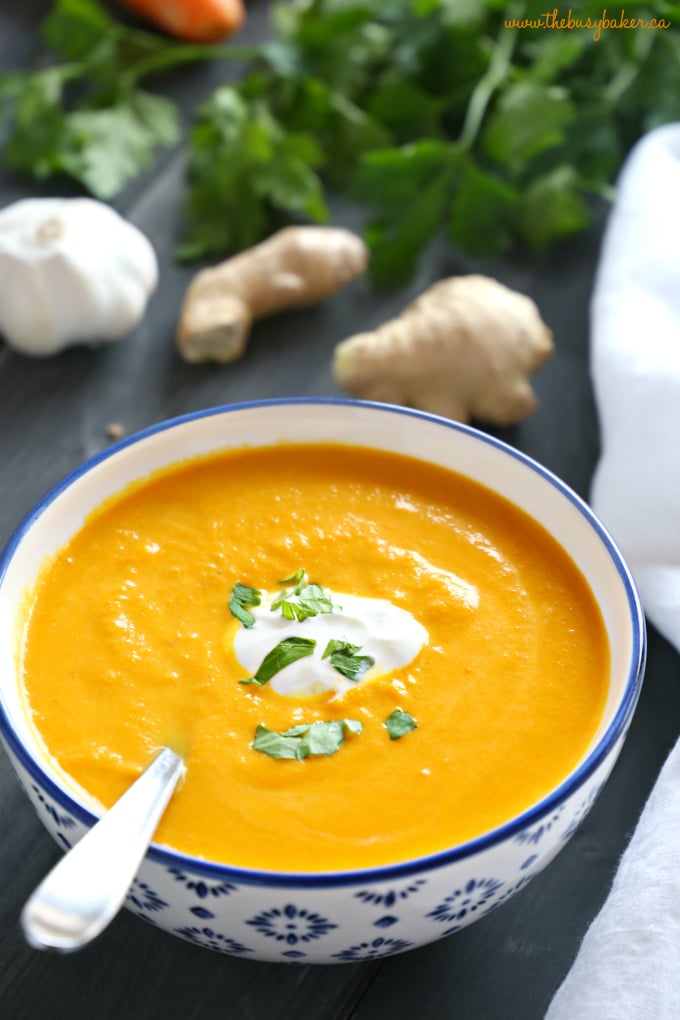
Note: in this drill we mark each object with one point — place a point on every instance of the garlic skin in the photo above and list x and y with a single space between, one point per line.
72 270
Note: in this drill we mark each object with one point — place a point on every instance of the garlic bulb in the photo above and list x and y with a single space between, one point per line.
72 270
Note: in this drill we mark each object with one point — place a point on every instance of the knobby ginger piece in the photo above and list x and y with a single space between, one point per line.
295 267
464 349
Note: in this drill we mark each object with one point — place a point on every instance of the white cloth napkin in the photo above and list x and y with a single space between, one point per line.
635 358
628 966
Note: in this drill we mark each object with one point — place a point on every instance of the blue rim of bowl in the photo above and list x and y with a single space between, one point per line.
402 869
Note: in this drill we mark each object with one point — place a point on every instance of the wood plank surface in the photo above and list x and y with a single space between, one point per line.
55 412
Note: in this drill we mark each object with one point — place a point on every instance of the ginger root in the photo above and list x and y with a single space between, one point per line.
295 267
464 349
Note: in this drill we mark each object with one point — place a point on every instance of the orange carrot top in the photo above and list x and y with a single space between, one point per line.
193 20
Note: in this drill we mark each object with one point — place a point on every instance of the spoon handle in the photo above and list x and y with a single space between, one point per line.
87 887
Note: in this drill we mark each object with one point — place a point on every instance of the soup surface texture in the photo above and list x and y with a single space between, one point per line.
129 644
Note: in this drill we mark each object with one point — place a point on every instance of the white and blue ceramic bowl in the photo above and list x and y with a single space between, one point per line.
358 915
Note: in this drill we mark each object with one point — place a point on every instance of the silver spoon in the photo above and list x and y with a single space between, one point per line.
87 887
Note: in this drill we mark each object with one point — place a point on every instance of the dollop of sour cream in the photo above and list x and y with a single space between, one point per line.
391 636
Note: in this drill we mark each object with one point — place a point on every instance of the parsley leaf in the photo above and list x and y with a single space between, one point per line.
299 579
287 651
241 597
399 723
302 601
312 601
298 742
483 211
344 659
553 207
40 141
84 115
116 143
529 118
409 188
246 172
76 28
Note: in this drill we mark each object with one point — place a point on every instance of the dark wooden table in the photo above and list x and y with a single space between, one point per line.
55 413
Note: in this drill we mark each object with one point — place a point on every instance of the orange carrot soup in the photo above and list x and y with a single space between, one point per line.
363 657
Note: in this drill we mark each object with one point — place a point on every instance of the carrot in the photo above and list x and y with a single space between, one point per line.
192 20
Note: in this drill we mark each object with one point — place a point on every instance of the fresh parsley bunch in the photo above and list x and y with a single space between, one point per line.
436 115
86 115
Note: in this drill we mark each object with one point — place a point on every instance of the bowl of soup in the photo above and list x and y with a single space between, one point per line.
399 657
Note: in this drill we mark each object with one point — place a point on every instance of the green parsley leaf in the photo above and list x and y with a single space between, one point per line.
399 723
289 650
302 601
312 601
75 28
411 189
553 207
116 143
299 579
483 212
246 171
241 597
405 108
40 141
555 52
345 660
299 742
391 177
101 129
530 117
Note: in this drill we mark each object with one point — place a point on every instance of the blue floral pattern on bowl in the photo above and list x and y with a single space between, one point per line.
63 820
202 888
465 901
388 897
291 924
373 950
536 834
211 939
142 898
583 809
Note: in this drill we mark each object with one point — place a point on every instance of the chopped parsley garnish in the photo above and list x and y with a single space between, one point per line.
299 579
345 660
289 650
303 600
399 723
306 739
242 596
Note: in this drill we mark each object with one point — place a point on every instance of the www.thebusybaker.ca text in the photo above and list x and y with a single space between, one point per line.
556 20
